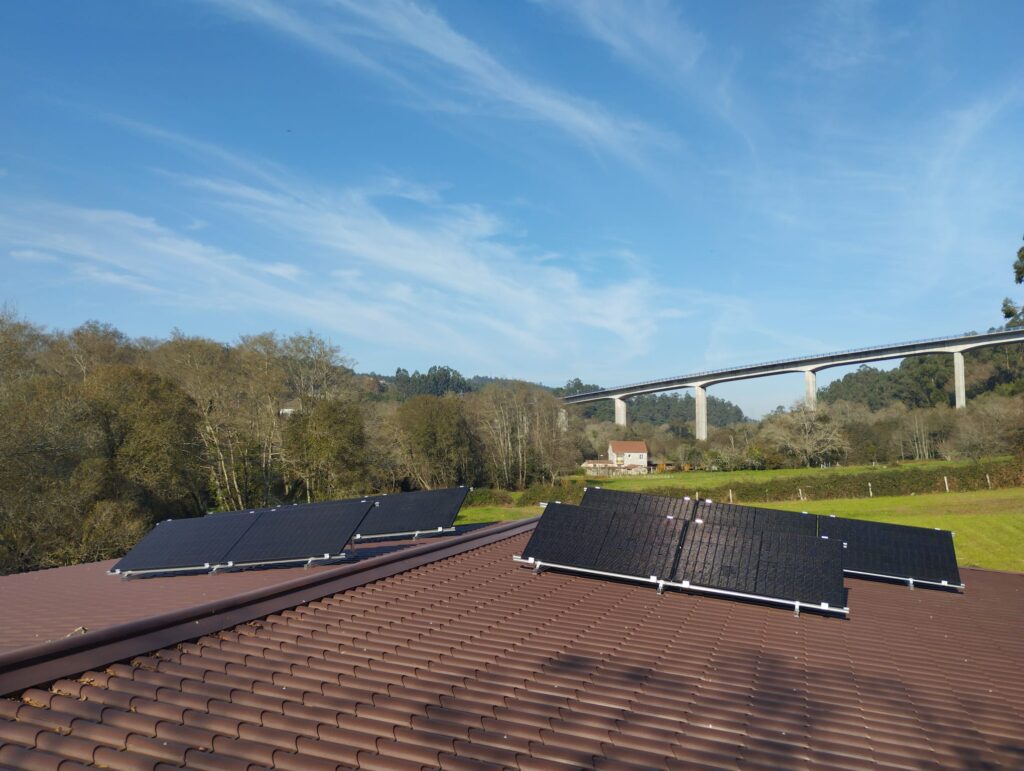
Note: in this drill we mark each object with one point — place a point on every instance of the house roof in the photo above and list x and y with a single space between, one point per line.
81 599
618 446
468 660
84 599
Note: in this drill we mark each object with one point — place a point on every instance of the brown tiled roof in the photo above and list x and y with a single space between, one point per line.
473 661
47 605
628 446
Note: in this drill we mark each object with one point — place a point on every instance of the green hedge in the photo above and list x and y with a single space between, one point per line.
566 491
825 486
488 496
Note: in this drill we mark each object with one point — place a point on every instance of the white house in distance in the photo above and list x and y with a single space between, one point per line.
624 454
624 457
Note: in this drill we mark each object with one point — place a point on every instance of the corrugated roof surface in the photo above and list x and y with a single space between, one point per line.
474 661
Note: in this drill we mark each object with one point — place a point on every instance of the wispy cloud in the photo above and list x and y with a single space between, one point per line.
648 34
654 38
414 46
31 255
442 276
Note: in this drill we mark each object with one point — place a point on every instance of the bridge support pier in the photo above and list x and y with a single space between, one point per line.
811 387
621 417
700 395
959 382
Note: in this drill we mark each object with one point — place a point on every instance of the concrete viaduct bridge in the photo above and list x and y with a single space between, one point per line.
809 365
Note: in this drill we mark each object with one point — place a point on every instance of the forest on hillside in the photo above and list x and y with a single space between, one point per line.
927 381
102 435
673 409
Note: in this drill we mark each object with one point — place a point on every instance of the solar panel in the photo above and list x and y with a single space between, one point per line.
640 503
749 562
806 568
917 555
302 533
413 513
613 500
755 518
182 544
769 564
569 535
640 545
719 558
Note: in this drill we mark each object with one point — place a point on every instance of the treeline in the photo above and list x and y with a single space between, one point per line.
102 435
851 433
677 411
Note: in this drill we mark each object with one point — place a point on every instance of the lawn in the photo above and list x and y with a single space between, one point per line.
474 514
989 524
695 480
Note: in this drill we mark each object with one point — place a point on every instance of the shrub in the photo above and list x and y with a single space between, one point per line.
566 491
825 486
489 496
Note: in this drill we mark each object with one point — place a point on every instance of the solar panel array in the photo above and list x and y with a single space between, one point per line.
918 555
779 556
301 532
882 550
307 533
797 570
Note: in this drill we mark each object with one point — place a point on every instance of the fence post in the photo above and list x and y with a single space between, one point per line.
730 494
800 493
989 481
945 481
871 493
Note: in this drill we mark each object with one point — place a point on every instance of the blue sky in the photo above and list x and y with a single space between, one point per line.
610 190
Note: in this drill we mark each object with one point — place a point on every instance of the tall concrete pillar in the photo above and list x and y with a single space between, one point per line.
811 386
563 420
959 384
621 418
700 395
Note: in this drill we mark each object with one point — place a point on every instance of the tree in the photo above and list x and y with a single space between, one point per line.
438 446
809 435
437 381
325 451
1014 314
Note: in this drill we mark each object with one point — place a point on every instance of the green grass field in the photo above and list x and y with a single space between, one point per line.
989 524
471 515
695 480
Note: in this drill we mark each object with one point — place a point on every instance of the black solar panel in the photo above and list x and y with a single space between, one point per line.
680 508
641 545
570 535
719 558
894 551
750 560
639 503
187 543
303 532
805 568
613 500
768 564
751 518
413 512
